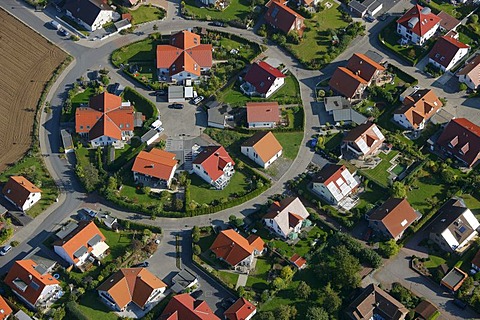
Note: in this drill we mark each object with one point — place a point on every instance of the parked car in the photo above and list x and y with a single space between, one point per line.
5 250
176 106
217 24
196 294
197 100
64 32
160 93
90 212
369 18
55 24
144 264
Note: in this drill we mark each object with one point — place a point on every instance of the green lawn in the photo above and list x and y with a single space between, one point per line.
245 50
302 247
206 242
290 142
473 203
140 51
134 193
289 93
92 307
201 191
460 11
372 194
228 277
330 142
80 98
146 13
237 10
425 187
316 42
257 280
379 174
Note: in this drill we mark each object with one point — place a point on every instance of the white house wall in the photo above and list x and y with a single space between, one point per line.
31 200
275 86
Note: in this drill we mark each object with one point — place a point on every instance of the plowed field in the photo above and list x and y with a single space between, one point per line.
27 62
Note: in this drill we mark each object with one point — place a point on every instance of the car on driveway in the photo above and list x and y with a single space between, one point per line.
176 106
160 93
197 100
5 250
197 294
141 265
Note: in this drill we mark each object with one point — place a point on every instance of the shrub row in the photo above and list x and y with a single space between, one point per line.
132 225
74 312
141 103
122 160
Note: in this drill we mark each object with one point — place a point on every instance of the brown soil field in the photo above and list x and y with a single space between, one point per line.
27 61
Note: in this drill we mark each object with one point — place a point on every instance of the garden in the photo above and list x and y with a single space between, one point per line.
238 13
146 13
457 10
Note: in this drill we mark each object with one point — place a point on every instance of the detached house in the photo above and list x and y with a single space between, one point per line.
215 166
84 243
262 114
5 310
470 73
262 80
283 18
454 227
32 284
363 141
131 285
418 25
235 250
334 183
461 139
155 168
21 192
184 306
184 58
447 52
417 109
90 14
242 309
263 148
352 80
287 217
106 121
393 217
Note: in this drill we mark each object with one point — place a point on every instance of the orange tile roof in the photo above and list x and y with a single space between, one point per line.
256 242
345 82
79 237
265 145
420 106
263 112
156 163
393 213
232 247
184 53
105 115
425 21
240 310
24 270
213 160
5 309
184 307
18 188
298 261
131 285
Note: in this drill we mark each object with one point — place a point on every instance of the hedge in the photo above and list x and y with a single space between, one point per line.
132 225
73 312
118 163
142 104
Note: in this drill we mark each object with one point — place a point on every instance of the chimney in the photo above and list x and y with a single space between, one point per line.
30 277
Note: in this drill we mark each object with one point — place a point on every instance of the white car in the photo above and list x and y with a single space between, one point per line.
198 99
5 250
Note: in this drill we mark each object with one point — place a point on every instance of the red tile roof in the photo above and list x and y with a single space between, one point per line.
18 189
425 20
25 271
462 138
156 163
261 75
214 159
131 285
265 145
79 238
184 307
396 215
363 66
345 82
233 248
5 309
184 53
282 17
330 172
298 261
263 112
419 106
105 115
445 50
240 310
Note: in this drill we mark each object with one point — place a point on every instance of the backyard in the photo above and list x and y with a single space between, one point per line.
92 307
426 186
237 10
290 142
379 174
458 11
473 203
146 13
77 100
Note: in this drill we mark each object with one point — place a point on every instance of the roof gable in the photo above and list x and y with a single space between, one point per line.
18 189
156 163
263 112
281 16
282 212
213 159
363 66
265 145
420 106
240 310
86 10
445 49
232 247
395 214
261 75
184 306
345 82
419 20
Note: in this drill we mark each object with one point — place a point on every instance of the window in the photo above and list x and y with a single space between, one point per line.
81 127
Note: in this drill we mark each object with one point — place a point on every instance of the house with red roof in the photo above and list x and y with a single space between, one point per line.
447 52
106 121
298 261
5 310
131 286
417 108
263 114
281 17
262 80
470 73
362 141
214 165
237 251
184 58
33 284
418 24
84 243
287 217
21 192
184 306
242 309
352 80
461 139
155 168
334 183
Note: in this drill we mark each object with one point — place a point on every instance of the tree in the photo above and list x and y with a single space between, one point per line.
59 314
265 316
285 312
195 237
474 18
286 273
398 190
389 248
462 87
89 176
316 313
155 27
278 284
234 221
241 291
303 290
332 300
196 249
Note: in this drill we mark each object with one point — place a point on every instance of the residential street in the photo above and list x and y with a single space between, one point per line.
91 55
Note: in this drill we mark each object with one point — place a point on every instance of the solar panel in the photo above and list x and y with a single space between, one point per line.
275 12
462 229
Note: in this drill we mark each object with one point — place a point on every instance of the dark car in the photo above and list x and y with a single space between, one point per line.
369 18
176 106
63 32
160 93
196 294
217 24
141 265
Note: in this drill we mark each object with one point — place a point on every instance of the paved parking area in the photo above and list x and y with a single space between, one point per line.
189 121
